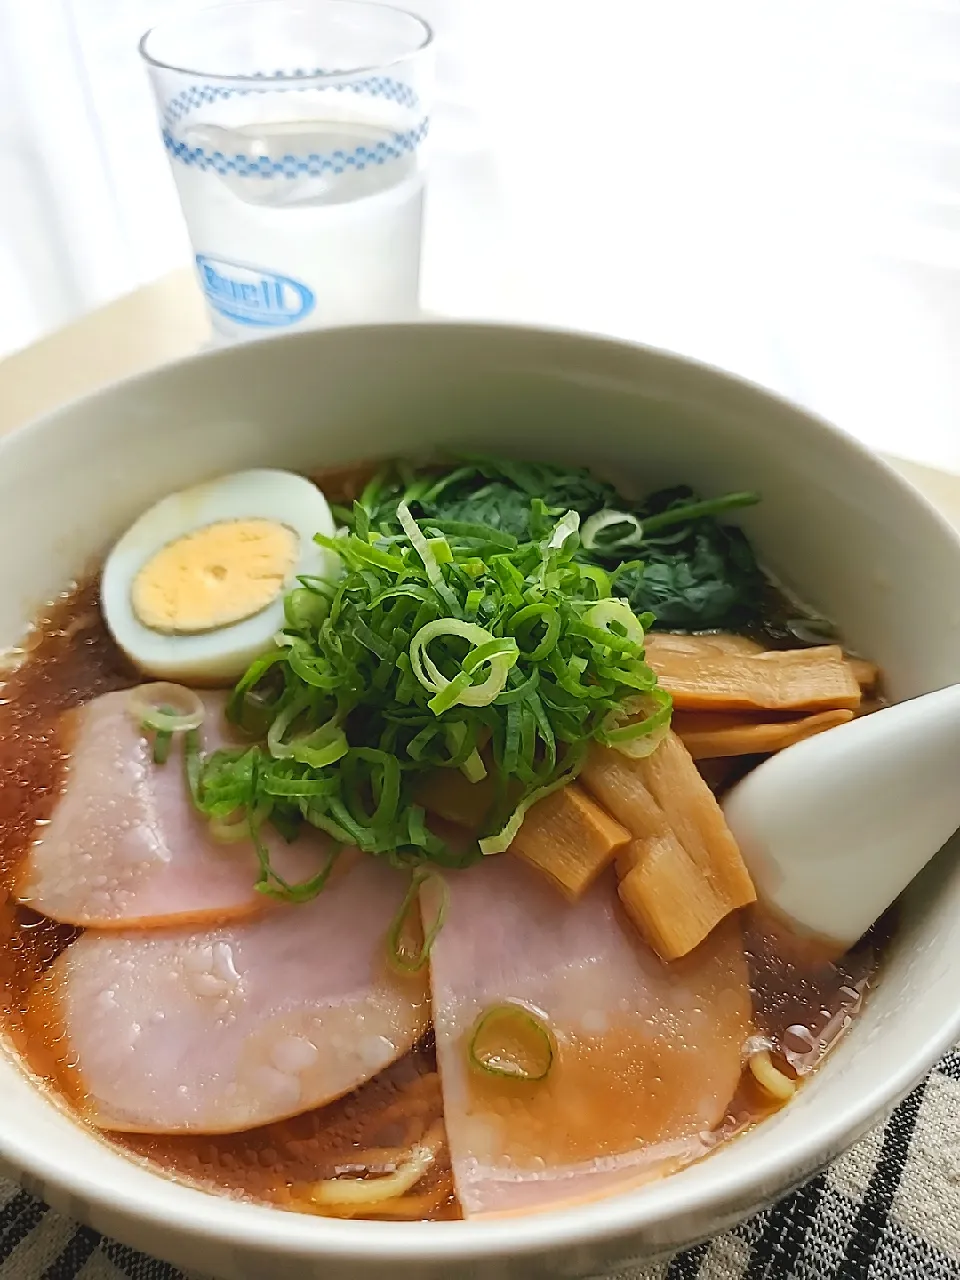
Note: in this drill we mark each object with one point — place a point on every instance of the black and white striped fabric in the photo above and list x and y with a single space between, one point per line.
888 1210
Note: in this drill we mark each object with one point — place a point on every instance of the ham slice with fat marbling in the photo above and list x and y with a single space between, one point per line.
648 1054
124 846
221 1030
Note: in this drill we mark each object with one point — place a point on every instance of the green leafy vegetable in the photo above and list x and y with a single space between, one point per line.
696 574
669 554
491 494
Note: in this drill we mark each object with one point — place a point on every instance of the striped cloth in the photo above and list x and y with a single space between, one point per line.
888 1210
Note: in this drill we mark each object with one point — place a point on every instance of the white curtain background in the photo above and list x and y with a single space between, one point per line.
770 185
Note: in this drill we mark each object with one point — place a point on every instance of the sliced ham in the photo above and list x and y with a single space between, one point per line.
124 846
217 1031
648 1054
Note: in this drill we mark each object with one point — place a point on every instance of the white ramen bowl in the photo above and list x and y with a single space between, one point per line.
837 524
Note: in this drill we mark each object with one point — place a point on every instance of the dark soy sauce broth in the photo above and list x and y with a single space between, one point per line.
801 1005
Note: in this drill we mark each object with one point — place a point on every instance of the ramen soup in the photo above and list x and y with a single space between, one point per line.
362 849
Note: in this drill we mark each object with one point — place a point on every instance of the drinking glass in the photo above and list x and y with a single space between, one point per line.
296 130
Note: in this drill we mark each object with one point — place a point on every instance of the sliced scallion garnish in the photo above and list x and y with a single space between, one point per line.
639 725
165 707
512 1041
406 956
615 617
192 766
499 654
598 533
164 710
501 840
274 886
161 746
230 830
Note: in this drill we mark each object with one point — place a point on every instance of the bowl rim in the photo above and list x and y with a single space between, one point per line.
206 1216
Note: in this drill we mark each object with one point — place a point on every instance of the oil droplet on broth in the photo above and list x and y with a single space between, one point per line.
803 1001
800 1048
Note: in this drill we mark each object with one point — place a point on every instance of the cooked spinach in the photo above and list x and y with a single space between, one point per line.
669 554
697 573
710 579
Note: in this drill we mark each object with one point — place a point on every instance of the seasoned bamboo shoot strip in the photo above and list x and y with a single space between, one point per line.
682 872
709 734
696 819
866 674
781 680
663 647
661 644
617 782
664 877
569 838
628 855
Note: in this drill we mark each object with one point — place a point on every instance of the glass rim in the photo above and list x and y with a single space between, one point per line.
320 77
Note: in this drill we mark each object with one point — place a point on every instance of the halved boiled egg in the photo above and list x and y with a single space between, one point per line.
193 591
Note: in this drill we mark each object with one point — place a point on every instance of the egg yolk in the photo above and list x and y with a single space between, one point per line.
214 576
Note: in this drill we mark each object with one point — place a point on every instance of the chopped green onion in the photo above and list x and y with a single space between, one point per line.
322 747
161 746
399 958
304 608
318 748
193 766
499 654
710 507
278 747
473 768
563 529
523 622
230 830
594 527
513 1042
440 548
165 708
305 890
615 612
501 840
420 544
647 720
247 706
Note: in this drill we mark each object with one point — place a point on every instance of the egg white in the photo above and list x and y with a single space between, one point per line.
222 655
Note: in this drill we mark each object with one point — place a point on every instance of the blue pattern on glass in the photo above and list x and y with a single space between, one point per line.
398 144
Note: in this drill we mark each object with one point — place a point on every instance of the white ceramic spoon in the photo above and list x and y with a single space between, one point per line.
835 827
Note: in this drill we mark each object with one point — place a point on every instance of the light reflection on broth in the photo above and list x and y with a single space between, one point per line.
612 1092
609 1092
